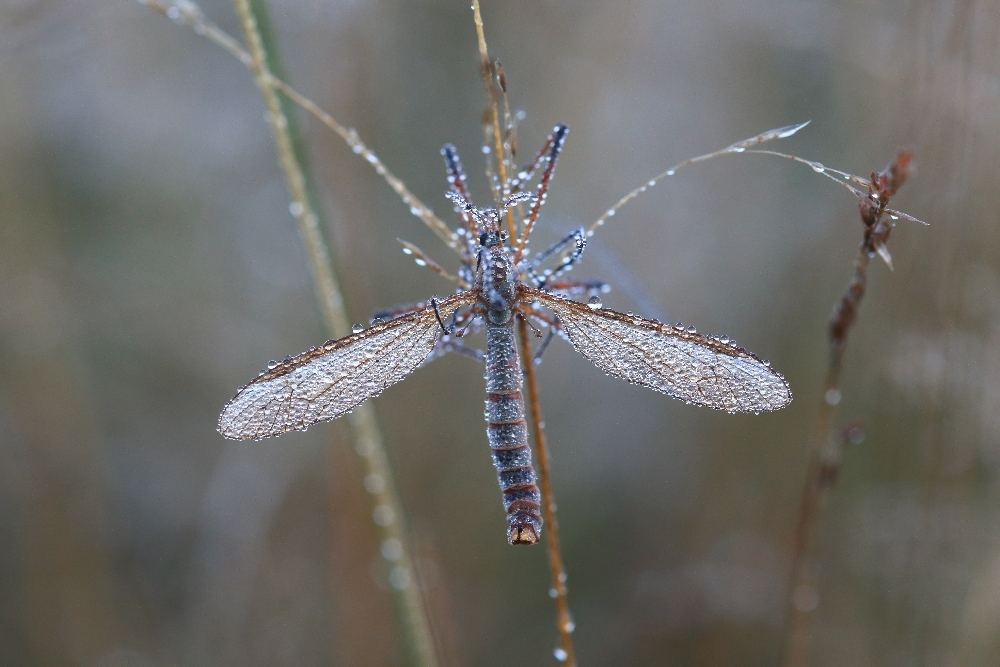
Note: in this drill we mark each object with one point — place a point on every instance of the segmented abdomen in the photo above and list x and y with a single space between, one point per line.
508 435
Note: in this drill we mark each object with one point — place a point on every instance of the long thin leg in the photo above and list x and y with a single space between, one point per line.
557 139
578 236
574 287
537 358
456 177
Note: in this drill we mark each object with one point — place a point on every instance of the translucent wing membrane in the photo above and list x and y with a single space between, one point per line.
694 368
327 382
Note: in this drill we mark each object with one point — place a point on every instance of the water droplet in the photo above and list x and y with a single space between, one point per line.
560 655
392 549
272 364
374 483
407 251
383 515
553 593
692 330
739 149
486 150
377 321
420 262
357 328
652 183
818 168
296 209
399 578
832 396
594 302
570 626
724 339
671 172
610 212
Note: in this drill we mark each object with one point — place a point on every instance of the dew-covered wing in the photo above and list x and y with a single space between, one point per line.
694 368
328 381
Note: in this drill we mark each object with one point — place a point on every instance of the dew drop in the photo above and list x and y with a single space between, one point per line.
560 655
392 549
669 173
377 321
357 328
832 396
553 593
724 339
739 149
407 251
296 209
594 302
610 212
399 578
486 150
818 168
272 364
692 330
420 262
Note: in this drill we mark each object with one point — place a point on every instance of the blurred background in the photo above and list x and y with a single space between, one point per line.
149 266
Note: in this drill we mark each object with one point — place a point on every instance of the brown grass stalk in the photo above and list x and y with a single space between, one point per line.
557 570
826 445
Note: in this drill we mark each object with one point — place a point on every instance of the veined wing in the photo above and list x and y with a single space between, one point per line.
328 381
694 368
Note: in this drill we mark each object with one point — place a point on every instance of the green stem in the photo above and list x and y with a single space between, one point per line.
387 510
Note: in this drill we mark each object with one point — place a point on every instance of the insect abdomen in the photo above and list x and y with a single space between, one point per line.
508 435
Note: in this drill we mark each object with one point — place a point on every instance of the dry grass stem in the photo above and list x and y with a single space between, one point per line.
388 512
826 445
564 623
184 12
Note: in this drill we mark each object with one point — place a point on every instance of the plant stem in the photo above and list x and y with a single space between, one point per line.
564 622
826 447
367 435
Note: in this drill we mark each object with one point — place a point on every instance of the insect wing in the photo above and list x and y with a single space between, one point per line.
688 366
327 382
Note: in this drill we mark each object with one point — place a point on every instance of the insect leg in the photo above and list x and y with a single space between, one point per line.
447 330
537 357
574 287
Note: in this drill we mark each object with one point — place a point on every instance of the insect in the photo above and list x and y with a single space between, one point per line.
498 284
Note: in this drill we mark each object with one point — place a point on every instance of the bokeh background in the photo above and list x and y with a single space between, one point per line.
149 266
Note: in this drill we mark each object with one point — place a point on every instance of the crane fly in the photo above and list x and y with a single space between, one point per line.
498 284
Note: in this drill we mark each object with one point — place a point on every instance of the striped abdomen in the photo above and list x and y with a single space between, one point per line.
508 435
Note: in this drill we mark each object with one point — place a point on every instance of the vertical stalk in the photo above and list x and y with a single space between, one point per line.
387 513
825 448
564 622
